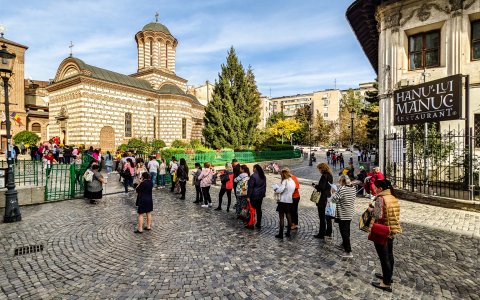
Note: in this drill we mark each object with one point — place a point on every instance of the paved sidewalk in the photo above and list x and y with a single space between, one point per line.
90 251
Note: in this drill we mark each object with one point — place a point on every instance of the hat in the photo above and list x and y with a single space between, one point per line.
361 168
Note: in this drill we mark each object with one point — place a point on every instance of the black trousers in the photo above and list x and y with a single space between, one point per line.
173 185
206 195
325 228
199 195
344 226
295 211
257 204
385 253
229 197
183 188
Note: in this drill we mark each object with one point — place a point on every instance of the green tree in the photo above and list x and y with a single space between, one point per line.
304 116
232 116
158 144
372 111
26 137
274 118
283 128
136 144
179 144
322 130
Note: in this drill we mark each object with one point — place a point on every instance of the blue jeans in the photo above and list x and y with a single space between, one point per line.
162 180
154 178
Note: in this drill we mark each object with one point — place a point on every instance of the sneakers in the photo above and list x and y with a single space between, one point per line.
347 255
204 205
209 204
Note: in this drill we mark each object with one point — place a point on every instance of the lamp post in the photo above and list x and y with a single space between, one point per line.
291 138
12 210
352 116
310 163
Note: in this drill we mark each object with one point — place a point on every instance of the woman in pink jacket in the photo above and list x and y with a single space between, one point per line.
205 178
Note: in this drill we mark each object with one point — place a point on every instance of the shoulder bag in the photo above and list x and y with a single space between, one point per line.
379 234
315 197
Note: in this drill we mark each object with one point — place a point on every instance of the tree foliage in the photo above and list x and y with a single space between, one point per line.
372 111
26 137
322 130
352 103
179 144
136 144
304 116
158 144
283 128
274 118
232 116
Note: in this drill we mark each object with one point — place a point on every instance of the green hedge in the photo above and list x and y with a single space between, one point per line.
280 147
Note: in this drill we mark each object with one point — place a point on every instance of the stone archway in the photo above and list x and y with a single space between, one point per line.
107 138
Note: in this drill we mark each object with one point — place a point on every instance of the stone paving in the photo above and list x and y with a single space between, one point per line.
91 252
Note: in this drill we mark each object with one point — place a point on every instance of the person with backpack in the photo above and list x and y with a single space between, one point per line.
196 183
257 188
182 177
95 185
205 178
226 179
241 190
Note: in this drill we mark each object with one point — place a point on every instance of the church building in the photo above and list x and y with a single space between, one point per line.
101 108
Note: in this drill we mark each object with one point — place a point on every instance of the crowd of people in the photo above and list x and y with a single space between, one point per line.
249 189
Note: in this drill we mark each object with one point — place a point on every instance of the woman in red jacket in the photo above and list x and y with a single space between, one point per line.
226 178
370 184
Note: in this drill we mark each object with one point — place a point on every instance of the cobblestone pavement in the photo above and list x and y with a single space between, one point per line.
90 251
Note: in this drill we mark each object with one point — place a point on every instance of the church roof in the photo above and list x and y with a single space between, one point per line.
170 88
114 77
194 99
157 27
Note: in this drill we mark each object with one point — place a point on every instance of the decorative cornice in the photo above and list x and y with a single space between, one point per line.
153 70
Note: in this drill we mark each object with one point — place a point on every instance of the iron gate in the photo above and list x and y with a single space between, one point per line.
435 163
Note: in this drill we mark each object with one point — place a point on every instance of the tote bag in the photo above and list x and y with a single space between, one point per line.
315 197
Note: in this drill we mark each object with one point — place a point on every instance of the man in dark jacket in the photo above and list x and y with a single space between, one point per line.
257 187
236 172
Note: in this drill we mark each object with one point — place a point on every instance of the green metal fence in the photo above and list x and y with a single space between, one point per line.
27 172
66 181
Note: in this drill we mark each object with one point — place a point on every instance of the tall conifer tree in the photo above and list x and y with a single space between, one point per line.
232 116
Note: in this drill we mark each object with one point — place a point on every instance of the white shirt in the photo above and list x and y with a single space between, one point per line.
286 189
153 166
163 168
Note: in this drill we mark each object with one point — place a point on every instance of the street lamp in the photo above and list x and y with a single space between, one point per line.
12 210
291 138
310 163
352 116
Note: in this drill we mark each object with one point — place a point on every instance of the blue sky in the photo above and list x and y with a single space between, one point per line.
293 46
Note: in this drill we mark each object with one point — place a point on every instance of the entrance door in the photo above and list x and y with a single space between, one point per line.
107 138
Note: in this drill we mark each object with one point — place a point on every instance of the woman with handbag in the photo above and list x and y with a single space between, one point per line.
257 188
205 178
345 201
196 183
386 212
144 201
95 185
285 203
241 188
323 187
182 177
226 178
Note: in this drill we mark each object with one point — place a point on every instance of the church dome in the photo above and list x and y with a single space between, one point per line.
156 27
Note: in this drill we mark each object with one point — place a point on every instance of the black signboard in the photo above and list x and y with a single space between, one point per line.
433 101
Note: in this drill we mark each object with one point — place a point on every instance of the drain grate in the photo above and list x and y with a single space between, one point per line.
28 249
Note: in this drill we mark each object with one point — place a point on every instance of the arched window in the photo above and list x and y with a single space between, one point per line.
36 127
151 52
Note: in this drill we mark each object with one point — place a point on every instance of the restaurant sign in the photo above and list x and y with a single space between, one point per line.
433 101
